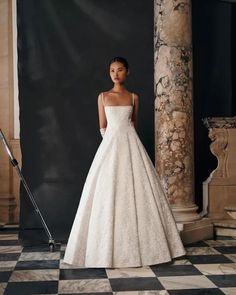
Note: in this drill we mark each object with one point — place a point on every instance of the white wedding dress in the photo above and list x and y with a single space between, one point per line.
124 218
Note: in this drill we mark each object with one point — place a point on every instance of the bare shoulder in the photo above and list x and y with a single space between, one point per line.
136 97
107 93
100 96
104 93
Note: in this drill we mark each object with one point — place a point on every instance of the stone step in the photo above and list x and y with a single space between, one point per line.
227 223
226 232
9 225
225 227
231 211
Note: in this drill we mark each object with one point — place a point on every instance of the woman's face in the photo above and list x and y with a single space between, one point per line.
118 72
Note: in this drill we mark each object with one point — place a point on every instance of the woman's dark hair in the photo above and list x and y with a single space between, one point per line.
121 60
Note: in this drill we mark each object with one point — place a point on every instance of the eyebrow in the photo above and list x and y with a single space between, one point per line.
118 68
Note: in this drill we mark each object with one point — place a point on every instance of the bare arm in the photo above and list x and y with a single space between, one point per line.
135 111
101 114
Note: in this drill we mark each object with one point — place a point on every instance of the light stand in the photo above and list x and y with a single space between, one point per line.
14 163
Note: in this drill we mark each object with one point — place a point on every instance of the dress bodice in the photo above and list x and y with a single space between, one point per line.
118 116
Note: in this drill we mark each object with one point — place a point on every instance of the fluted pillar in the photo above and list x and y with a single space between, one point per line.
173 105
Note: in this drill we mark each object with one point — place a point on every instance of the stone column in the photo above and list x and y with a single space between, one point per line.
173 105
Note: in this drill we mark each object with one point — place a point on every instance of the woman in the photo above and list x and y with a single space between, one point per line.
124 218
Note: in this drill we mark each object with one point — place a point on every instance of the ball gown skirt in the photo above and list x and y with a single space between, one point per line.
124 218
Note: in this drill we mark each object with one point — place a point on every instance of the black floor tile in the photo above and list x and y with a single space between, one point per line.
178 258
9 243
135 284
30 288
175 270
223 238
37 264
223 281
226 249
213 291
9 256
62 254
197 244
42 248
4 276
200 259
79 274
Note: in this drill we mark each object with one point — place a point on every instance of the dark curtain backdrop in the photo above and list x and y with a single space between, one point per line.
214 70
64 48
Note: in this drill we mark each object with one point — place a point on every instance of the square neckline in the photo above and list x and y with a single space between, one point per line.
119 105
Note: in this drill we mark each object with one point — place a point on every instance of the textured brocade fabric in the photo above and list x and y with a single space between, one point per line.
124 218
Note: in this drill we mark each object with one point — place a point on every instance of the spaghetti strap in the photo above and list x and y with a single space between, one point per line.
102 99
132 98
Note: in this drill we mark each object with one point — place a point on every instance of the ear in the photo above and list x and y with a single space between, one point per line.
128 72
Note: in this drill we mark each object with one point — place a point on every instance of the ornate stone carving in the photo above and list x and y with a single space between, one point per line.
219 189
218 148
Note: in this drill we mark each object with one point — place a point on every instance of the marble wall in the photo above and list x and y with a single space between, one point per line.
9 182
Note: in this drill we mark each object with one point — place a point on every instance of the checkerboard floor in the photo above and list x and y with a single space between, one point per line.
209 268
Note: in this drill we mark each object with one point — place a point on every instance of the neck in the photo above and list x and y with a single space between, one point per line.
119 87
